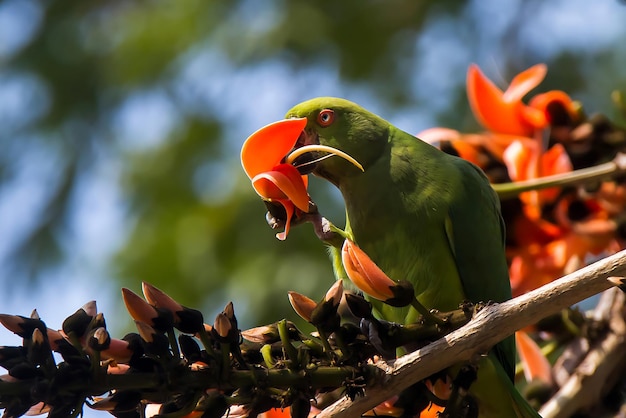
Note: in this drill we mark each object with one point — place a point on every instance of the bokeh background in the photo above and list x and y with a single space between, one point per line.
121 124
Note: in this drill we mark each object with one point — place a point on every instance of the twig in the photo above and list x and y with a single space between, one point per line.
576 177
491 325
577 349
596 373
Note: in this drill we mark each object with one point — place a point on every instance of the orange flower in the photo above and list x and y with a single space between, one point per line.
481 149
526 160
539 259
284 412
277 413
364 273
261 157
542 102
538 264
504 112
139 309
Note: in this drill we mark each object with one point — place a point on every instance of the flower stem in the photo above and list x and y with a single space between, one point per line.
206 342
290 351
426 314
576 177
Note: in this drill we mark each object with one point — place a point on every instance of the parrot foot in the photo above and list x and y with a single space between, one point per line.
324 229
378 333
276 216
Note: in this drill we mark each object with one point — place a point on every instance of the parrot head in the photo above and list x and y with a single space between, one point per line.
340 125
329 137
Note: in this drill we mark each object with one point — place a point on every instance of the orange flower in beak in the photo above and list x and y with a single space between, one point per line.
503 111
261 157
365 274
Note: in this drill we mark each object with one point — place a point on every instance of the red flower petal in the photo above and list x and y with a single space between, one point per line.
303 305
492 109
266 147
536 365
543 100
525 82
283 182
289 210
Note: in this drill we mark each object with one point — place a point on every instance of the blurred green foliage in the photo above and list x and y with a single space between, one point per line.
192 225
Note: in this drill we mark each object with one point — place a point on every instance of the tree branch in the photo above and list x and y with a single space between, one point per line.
491 325
581 176
597 372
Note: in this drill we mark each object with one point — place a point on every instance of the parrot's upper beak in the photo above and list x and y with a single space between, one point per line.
308 152
305 161
286 141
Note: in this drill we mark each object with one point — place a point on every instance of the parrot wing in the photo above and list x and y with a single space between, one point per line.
476 234
475 231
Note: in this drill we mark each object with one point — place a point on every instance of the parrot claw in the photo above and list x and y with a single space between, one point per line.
276 219
324 231
276 216
376 332
273 222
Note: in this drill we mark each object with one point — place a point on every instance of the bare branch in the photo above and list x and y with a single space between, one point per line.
491 325
597 372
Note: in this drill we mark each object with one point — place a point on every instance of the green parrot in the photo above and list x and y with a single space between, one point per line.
423 216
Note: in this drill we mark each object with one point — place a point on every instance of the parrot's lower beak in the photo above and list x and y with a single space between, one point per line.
308 152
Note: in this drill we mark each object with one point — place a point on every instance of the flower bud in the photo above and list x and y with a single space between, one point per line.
364 273
99 340
140 310
303 305
22 325
222 326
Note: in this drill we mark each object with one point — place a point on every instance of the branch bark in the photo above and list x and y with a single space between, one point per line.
597 372
491 325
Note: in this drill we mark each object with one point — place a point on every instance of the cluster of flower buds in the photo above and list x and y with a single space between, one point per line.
176 365
86 348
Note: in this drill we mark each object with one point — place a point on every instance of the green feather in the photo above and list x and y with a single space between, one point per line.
423 216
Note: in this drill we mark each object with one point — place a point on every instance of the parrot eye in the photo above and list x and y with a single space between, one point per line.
326 117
